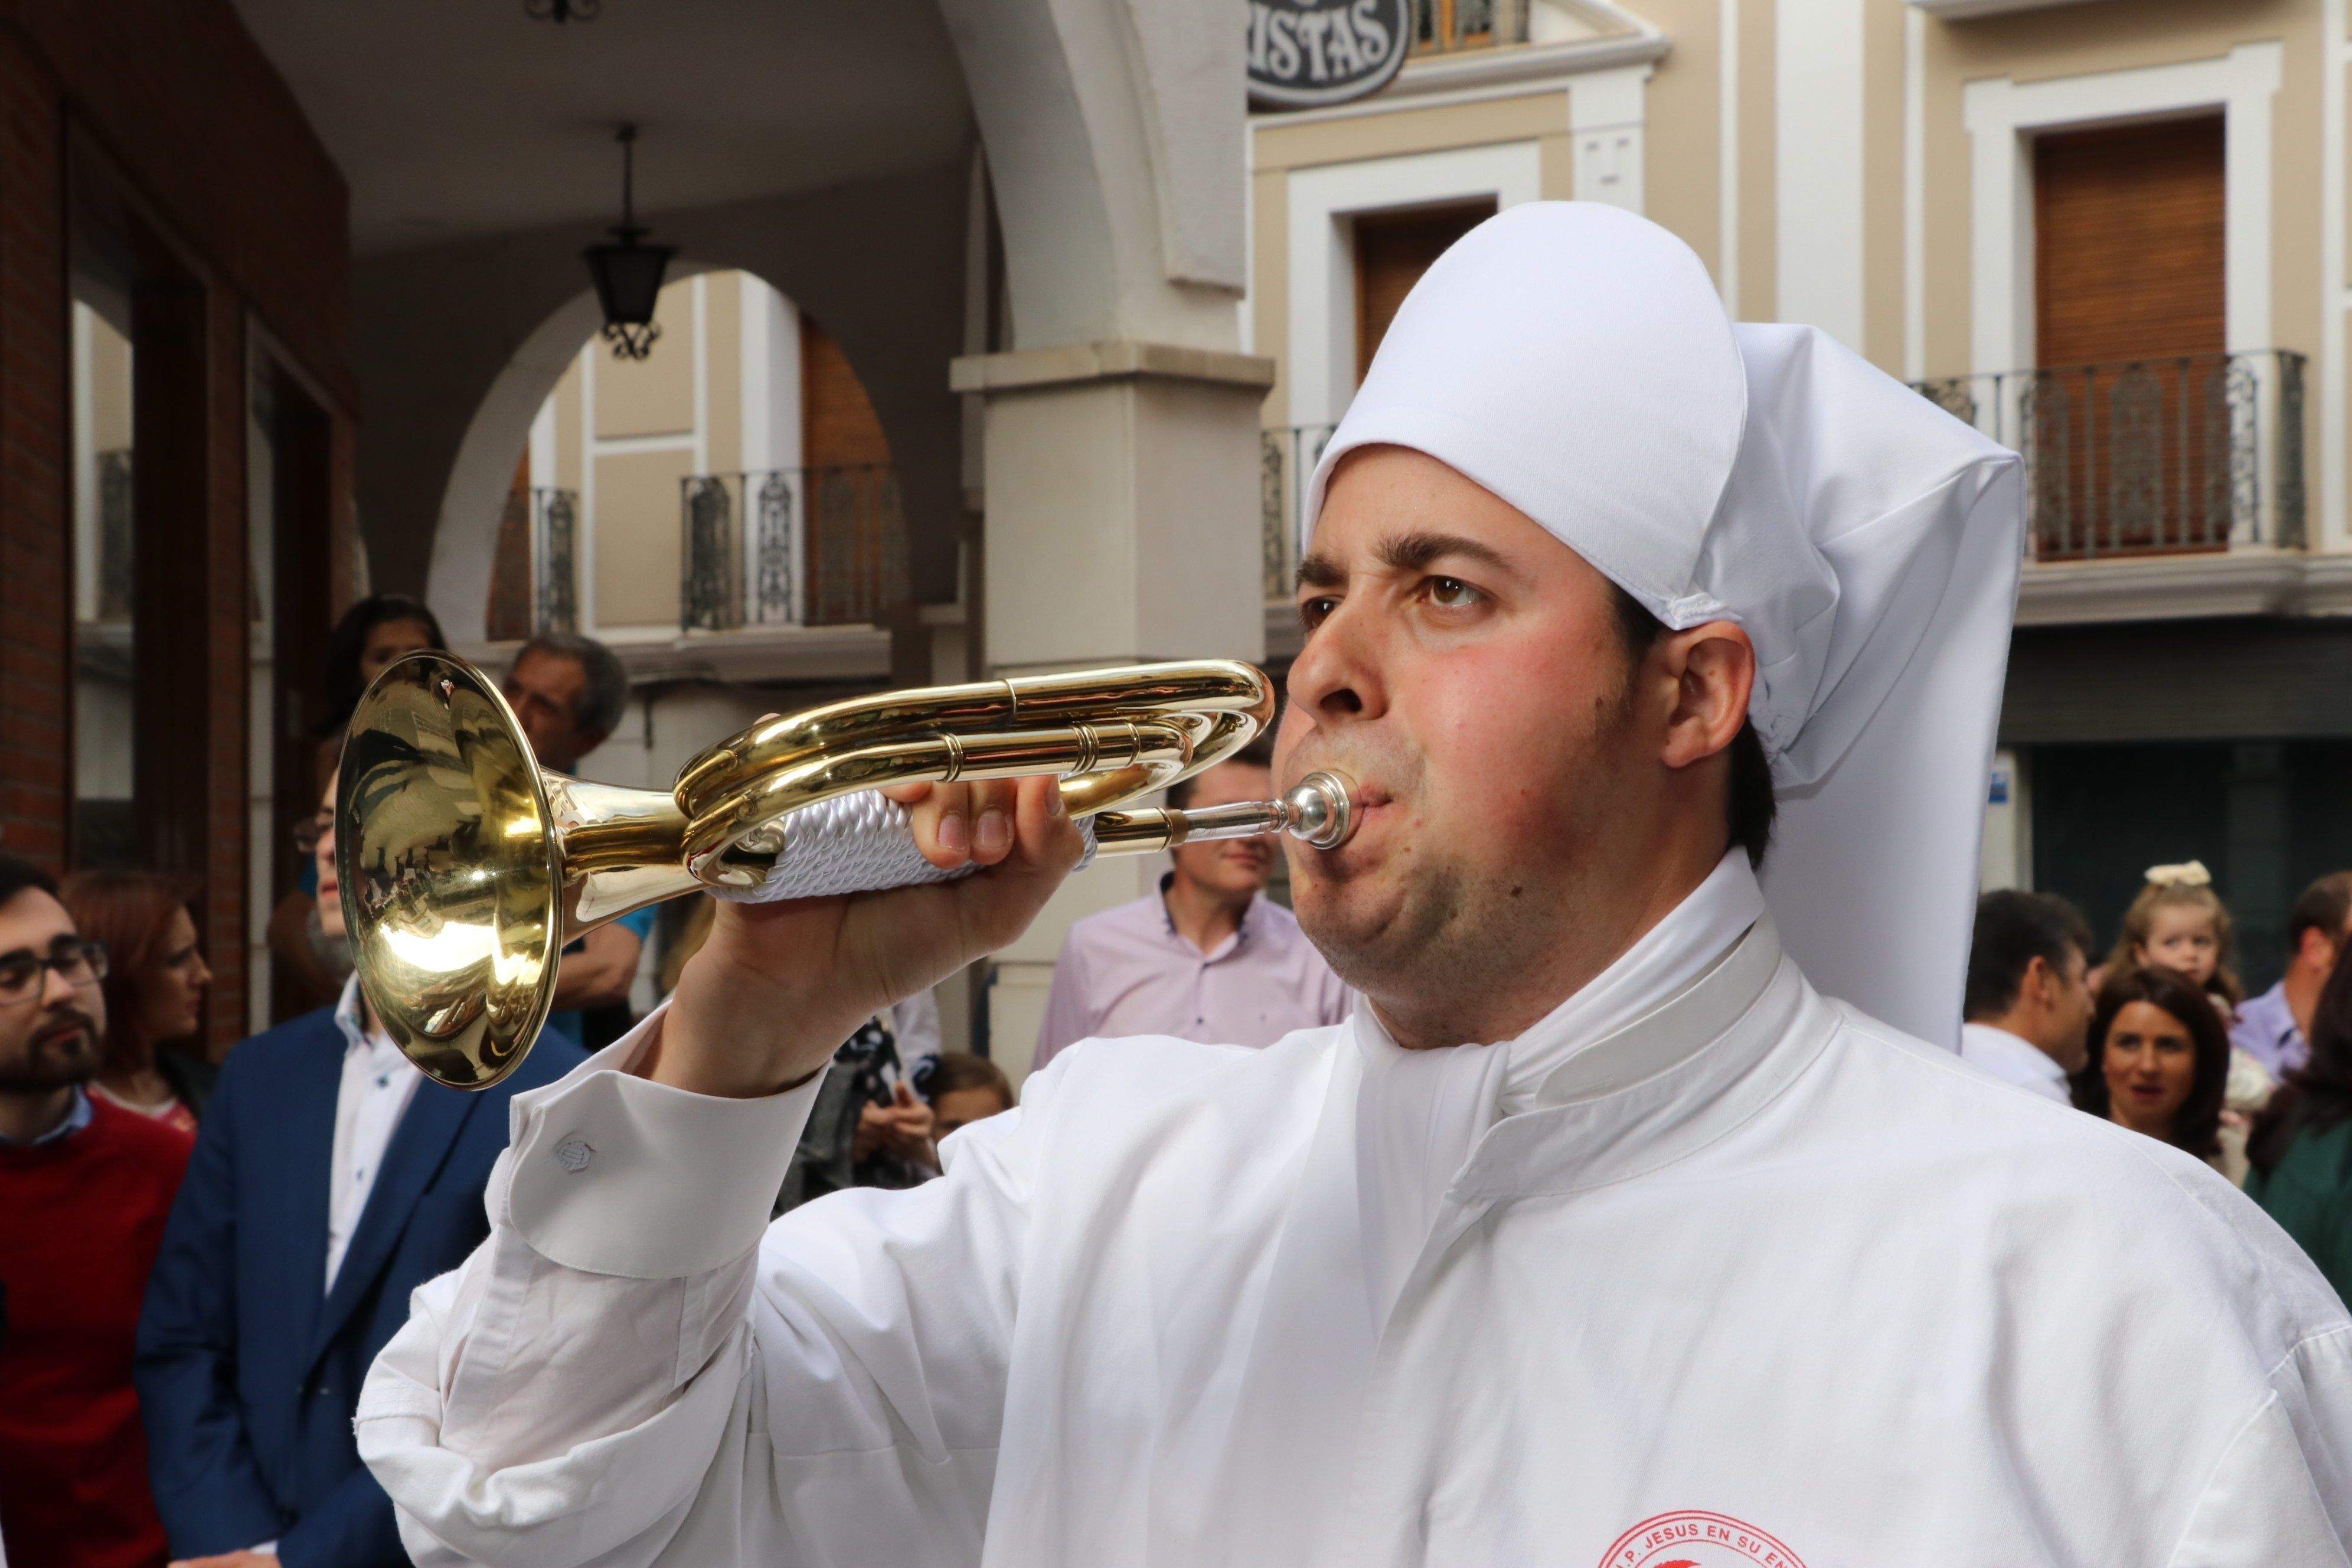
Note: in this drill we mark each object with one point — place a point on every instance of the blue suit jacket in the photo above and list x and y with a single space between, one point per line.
248 1369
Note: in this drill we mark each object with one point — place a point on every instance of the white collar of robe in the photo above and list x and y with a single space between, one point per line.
1659 1090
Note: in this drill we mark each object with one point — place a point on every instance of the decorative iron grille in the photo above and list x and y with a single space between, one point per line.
555 529
1445 26
810 546
1287 459
2151 456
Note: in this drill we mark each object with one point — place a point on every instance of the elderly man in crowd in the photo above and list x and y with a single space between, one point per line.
569 693
84 1187
330 1178
2274 1027
2028 1001
1208 956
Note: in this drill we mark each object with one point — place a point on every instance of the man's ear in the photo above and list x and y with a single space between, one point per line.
2038 982
1714 669
2315 949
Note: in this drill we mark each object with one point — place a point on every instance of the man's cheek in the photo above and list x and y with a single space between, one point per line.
1502 712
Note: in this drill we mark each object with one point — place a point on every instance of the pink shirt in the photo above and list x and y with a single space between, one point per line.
1128 971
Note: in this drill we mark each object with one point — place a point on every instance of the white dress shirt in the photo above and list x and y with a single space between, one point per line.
2013 1058
378 1083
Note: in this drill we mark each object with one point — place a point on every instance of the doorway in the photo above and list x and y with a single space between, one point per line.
2132 413
1393 250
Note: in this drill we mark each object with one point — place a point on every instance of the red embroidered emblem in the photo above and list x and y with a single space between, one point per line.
1693 1537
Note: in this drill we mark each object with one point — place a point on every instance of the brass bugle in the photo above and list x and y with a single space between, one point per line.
465 867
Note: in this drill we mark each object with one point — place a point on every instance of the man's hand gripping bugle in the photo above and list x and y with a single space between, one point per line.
777 987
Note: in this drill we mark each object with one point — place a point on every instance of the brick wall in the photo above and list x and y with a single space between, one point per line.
36 626
226 656
171 106
181 96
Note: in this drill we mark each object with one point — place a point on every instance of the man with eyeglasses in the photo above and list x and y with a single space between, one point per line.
84 1189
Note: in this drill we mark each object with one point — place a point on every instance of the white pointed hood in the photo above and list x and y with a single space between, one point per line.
1575 360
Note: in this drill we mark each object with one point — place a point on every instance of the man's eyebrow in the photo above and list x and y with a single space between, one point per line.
1321 572
1416 551
1413 552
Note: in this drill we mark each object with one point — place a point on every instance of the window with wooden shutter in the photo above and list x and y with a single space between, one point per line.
2128 418
855 541
1393 250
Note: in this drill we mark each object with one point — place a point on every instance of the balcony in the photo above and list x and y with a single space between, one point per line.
2193 454
1449 26
2158 488
793 568
1287 459
535 584
2155 488
791 547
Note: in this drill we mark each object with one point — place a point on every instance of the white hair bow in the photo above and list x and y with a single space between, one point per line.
2191 874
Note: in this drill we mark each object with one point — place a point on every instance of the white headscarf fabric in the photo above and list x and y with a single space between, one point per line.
1575 360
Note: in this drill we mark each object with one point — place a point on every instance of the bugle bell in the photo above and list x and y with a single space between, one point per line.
465 867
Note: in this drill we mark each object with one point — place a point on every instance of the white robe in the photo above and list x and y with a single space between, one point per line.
1758 1280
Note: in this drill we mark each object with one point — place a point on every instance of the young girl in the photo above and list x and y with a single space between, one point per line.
2177 923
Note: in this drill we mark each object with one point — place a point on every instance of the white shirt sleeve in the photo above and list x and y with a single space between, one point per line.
635 1369
2283 1490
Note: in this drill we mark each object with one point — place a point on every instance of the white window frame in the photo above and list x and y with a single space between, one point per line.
2002 116
1324 204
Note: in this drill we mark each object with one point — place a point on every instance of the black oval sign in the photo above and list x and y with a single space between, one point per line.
1307 52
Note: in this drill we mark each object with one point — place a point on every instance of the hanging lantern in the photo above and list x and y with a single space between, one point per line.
626 270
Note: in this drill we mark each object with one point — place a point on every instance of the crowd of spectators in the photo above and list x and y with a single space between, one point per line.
198 1261
2157 1039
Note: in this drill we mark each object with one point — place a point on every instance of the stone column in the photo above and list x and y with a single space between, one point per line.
1122 524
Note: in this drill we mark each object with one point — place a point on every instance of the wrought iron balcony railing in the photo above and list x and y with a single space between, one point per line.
535 579
1448 27
813 546
1287 459
2151 456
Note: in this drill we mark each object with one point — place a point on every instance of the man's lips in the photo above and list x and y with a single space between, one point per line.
65 1030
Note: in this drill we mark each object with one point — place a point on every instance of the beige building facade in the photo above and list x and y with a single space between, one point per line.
2112 232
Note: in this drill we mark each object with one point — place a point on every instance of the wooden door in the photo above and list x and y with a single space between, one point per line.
855 539
2130 418
1393 250
511 567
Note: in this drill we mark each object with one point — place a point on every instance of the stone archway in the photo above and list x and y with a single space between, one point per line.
1114 133
465 540
452 377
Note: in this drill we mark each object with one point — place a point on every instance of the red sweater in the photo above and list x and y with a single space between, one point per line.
80 1219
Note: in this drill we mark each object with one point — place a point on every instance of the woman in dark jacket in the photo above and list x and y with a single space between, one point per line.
2302 1145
